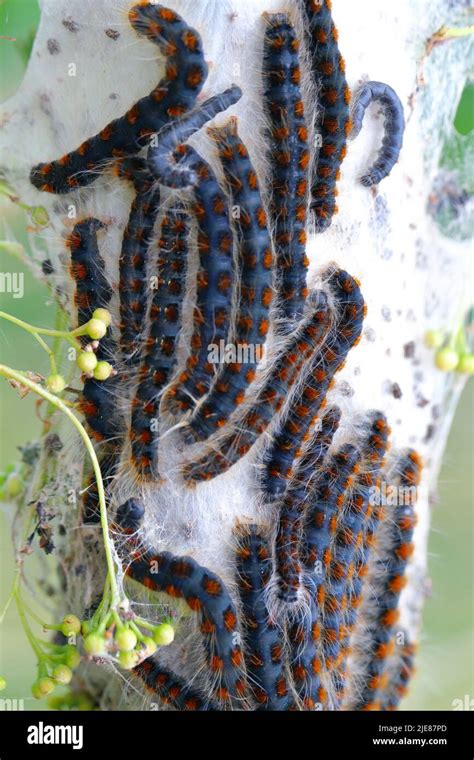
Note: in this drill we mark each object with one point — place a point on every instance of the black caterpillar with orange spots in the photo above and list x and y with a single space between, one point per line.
176 93
255 279
328 72
289 161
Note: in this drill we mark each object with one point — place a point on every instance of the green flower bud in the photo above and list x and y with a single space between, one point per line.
96 329
87 362
103 371
447 359
128 660
94 644
126 640
70 625
62 674
164 634
14 485
56 384
103 315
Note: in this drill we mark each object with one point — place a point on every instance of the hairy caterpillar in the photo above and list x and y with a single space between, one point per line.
204 593
316 381
255 287
170 688
289 160
215 280
263 639
164 159
270 397
357 506
387 579
328 70
394 127
134 255
159 351
292 506
176 93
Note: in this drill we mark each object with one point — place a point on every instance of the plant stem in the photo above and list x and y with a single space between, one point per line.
14 375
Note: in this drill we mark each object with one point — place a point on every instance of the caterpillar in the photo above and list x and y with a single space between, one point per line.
176 93
263 639
255 292
164 159
87 269
328 70
133 264
289 161
305 662
291 507
204 593
215 281
388 580
170 688
317 379
399 676
317 633
270 396
349 534
394 127
159 352
93 291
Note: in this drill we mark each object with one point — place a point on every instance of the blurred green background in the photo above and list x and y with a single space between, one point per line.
446 657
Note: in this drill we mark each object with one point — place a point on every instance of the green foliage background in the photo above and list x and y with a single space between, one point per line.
445 663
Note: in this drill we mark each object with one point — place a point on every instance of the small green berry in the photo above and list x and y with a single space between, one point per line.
96 329
447 359
70 625
94 644
103 315
103 371
62 674
434 339
128 660
72 657
56 384
56 702
126 640
14 485
3 683
466 364
164 635
87 362
43 687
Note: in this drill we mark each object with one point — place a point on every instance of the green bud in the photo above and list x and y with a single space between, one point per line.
96 329
150 646
126 640
3 683
94 644
164 634
128 660
103 371
70 625
72 657
447 359
87 362
43 687
103 315
62 674
56 384
14 485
